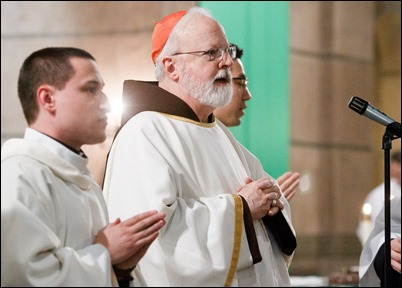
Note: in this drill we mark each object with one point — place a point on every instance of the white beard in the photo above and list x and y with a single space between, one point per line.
206 92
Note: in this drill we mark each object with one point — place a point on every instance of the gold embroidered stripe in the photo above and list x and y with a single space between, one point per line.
237 238
207 125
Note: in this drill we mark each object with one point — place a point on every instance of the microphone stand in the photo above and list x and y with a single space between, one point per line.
389 135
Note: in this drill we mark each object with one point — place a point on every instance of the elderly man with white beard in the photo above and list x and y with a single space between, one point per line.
226 221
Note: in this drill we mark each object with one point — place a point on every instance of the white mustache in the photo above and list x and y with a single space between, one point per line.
226 74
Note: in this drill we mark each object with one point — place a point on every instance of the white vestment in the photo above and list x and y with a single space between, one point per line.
367 273
190 170
51 211
376 200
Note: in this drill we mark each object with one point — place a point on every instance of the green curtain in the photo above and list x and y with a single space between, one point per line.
262 30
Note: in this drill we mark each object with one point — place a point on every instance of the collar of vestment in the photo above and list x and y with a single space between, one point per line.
139 96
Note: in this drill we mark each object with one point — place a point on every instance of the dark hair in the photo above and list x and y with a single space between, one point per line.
396 157
46 66
239 51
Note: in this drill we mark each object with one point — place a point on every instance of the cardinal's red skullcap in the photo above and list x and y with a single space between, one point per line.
162 31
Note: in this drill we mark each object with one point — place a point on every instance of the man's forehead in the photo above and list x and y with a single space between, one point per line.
203 27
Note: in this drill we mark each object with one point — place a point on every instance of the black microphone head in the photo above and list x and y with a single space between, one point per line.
357 104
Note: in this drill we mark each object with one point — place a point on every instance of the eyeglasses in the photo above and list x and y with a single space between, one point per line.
213 54
241 81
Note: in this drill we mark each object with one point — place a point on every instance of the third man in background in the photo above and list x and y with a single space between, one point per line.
375 199
231 114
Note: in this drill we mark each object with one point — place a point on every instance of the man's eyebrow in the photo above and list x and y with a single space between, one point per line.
241 76
93 82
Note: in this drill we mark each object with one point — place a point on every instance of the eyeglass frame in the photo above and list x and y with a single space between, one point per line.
231 51
243 83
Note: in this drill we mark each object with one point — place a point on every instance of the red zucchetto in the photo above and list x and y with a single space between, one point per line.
162 31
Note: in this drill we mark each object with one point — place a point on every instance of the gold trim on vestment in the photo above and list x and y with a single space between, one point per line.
115 283
189 120
237 238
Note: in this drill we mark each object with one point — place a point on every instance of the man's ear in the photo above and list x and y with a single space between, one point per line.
45 95
169 65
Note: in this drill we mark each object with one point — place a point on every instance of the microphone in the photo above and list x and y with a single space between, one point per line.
365 108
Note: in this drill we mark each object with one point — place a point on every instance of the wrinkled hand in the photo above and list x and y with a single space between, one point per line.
132 237
396 254
288 182
259 195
